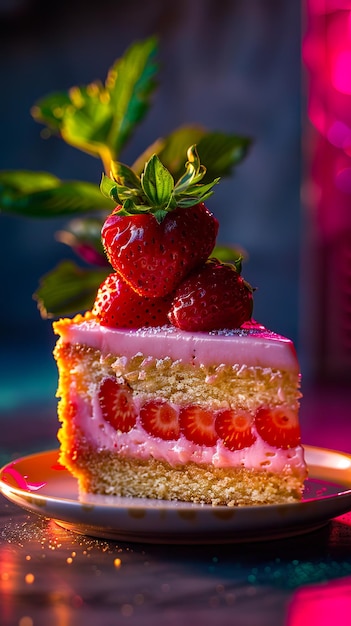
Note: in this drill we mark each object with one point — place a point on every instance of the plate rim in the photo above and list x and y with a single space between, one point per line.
237 524
34 495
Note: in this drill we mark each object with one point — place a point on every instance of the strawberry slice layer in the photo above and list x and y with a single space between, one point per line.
197 425
160 419
279 427
117 405
235 429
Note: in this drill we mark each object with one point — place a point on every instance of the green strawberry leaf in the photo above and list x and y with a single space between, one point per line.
229 254
157 183
124 175
130 198
171 149
187 188
100 118
194 171
157 192
38 194
131 206
199 193
51 110
24 181
68 289
108 188
131 83
219 152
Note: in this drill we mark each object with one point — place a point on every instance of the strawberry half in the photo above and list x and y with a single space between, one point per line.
160 230
116 403
279 427
197 425
118 306
160 419
212 298
235 429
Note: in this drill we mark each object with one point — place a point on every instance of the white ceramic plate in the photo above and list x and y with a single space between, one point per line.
39 484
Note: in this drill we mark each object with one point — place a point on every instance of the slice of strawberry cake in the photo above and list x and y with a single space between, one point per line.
168 388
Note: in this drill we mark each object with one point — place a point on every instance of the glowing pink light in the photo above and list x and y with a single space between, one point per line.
339 134
343 180
317 7
341 72
321 605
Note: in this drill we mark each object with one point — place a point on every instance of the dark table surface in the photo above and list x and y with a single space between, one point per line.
53 577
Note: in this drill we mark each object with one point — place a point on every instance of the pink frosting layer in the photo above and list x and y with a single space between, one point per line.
252 347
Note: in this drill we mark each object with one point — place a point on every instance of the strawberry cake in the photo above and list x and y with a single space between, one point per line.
168 388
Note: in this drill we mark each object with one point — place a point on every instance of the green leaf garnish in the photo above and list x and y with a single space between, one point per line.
218 151
68 289
100 118
221 153
38 194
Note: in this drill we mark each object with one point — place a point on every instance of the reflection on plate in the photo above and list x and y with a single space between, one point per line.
40 484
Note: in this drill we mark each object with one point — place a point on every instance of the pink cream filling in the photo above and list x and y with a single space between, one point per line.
139 444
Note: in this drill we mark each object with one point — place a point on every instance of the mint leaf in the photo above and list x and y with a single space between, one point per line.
38 194
221 153
25 181
171 149
51 110
131 83
68 289
100 118
157 183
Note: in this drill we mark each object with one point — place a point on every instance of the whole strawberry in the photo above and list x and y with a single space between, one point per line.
160 230
212 298
118 306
